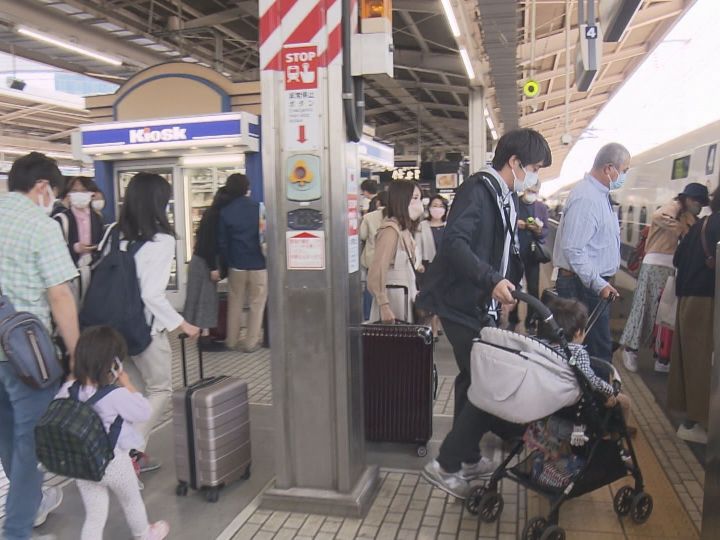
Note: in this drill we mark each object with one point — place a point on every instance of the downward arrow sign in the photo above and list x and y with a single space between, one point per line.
301 134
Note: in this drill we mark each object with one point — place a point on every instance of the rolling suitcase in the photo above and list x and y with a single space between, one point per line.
211 423
400 382
662 343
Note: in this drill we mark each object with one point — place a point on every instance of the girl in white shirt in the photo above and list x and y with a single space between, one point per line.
98 363
144 219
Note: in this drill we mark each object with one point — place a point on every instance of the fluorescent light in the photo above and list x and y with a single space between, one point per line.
452 21
213 159
468 64
68 46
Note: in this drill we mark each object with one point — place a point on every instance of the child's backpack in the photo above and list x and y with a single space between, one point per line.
70 439
113 298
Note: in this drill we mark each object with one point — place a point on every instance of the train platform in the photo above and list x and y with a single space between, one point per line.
406 506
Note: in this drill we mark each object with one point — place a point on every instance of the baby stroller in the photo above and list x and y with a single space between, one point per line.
522 380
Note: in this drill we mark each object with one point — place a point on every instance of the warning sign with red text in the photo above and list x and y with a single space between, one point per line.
302 97
305 250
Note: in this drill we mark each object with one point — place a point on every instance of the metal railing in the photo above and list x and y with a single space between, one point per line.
711 502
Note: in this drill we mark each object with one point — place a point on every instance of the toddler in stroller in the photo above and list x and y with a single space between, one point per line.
576 439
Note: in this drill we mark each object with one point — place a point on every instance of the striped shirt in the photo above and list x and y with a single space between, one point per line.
588 238
33 255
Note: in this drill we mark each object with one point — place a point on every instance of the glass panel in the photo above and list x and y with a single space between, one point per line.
630 222
123 179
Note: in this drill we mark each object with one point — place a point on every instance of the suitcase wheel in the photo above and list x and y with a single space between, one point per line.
181 490
212 494
422 450
246 474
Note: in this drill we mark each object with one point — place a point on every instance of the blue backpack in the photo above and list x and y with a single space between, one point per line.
114 299
28 346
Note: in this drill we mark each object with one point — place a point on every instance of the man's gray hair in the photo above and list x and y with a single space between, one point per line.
612 153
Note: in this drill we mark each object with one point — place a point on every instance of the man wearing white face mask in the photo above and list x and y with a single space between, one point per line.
587 245
472 276
35 270
82 229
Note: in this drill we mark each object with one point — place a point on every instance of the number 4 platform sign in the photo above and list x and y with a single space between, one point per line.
302 97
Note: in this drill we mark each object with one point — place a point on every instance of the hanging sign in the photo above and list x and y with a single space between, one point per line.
302 98
305 250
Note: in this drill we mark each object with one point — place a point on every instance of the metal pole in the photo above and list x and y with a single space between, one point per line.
711 502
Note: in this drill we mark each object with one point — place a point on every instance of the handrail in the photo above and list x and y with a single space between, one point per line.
711 503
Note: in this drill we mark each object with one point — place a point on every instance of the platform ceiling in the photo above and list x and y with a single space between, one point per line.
424 108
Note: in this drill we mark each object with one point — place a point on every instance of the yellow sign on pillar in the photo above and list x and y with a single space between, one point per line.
531 88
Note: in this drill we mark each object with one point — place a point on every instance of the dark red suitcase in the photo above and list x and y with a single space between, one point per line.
219 333
400 382
662 342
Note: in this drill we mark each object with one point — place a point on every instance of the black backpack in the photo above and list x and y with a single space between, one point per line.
70 438
114 299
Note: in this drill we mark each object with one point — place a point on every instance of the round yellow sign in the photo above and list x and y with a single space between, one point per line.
531 88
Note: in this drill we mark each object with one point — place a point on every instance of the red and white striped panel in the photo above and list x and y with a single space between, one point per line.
289 22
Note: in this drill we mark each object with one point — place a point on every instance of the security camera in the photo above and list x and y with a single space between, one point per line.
566 139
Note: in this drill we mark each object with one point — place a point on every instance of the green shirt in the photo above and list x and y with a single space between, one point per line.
33 255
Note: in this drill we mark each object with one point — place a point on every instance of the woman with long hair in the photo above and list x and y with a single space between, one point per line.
205 270
392 271
144 219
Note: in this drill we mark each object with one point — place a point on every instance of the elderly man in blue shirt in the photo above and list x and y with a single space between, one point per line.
587 247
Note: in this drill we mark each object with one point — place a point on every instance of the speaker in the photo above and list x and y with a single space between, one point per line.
15 84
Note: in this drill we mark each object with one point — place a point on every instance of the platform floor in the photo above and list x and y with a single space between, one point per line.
406 507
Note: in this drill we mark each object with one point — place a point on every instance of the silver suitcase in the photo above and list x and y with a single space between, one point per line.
211 421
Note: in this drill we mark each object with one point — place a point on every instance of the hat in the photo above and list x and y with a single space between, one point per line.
698 192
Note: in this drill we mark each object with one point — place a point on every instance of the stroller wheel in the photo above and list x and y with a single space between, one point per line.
421 450
622 503
472 503
534 528
491 506
642 507
553 532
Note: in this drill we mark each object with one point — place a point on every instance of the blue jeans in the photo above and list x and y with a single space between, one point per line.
599 340
20 409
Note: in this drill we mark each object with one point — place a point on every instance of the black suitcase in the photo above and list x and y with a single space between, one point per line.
400 383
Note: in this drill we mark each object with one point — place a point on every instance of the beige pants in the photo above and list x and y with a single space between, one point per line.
151 373
250 286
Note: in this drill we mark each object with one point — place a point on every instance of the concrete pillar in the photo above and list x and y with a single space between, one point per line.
478 128
315 299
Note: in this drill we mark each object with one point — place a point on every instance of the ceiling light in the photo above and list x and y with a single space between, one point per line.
63 44
452 21
468 65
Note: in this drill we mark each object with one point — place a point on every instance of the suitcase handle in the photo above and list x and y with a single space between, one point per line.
407 298
183 357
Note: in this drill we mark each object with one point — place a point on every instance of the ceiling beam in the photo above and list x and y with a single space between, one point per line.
33 144
418 6
435 87
222 17
623 54
415 102
593 102
450 64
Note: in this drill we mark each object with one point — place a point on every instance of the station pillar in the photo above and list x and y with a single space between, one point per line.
311 176
477 128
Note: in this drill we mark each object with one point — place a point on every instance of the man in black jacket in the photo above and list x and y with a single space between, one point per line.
472 276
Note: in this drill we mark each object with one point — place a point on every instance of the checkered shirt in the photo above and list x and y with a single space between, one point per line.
33 256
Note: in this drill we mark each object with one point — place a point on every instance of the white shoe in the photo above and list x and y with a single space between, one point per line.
452 483
482 469
662 367
630 360
694 434
51 499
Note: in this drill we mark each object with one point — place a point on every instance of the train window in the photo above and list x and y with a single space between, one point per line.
680 168
620 215
630 219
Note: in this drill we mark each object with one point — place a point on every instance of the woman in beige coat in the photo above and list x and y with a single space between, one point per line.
392 270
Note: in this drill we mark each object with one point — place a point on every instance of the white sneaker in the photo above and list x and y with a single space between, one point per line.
694 434
662 367
630 360
452 483
482 469
52 498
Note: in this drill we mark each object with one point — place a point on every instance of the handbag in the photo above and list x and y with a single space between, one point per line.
709 257
667 307
539 252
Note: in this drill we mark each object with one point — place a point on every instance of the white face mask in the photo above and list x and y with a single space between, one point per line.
530 180
530 197
80 199
415 210
98 205
437 212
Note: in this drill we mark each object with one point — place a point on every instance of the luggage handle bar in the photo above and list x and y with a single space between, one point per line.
407 295
599 310
183 337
